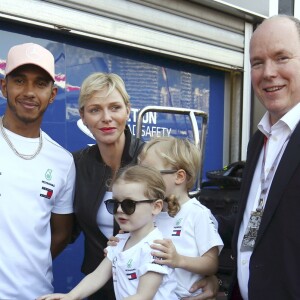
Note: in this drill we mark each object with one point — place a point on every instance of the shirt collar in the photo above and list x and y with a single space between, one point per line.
289 120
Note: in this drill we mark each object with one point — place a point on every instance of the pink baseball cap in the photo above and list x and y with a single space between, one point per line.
30 53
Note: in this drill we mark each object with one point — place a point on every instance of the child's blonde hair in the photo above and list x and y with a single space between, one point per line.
155 187
179 153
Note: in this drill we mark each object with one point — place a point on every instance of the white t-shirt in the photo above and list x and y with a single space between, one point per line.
193 232
129 265
30 190
105 220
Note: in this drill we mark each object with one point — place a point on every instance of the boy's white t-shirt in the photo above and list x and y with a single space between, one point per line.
193 232
30 190
129 265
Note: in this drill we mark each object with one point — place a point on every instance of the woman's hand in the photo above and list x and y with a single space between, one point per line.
113 241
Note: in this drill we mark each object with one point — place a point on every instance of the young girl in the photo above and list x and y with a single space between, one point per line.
194 243
138 194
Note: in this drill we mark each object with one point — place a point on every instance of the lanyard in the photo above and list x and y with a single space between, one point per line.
266 181
251 232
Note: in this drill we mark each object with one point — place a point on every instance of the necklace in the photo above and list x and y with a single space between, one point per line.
10 144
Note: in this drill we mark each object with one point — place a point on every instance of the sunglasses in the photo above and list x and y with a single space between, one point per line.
127 205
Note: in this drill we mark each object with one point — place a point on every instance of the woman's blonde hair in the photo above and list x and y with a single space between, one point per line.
155 187
99 81
178 153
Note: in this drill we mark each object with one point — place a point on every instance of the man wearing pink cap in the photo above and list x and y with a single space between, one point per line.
36 178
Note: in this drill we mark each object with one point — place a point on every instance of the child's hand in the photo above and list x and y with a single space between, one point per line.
54 297
166 254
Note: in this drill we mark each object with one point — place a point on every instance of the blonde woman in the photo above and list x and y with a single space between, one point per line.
104 108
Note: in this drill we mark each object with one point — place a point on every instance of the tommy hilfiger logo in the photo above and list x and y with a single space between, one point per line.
130 272
47 190
177 228
46 193
131 276
176 232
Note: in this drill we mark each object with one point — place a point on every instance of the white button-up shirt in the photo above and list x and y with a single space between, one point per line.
277 135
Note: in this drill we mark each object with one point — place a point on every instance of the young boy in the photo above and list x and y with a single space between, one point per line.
192 243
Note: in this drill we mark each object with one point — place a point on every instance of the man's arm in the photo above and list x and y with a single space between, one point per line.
61 231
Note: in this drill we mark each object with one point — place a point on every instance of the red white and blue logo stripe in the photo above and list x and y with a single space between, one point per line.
131 276
176 232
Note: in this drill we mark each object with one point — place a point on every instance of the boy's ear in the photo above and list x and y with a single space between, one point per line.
157 207
180 176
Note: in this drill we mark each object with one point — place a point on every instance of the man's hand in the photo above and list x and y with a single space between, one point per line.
209 286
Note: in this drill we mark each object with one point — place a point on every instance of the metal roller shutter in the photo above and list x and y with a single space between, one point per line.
178 28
